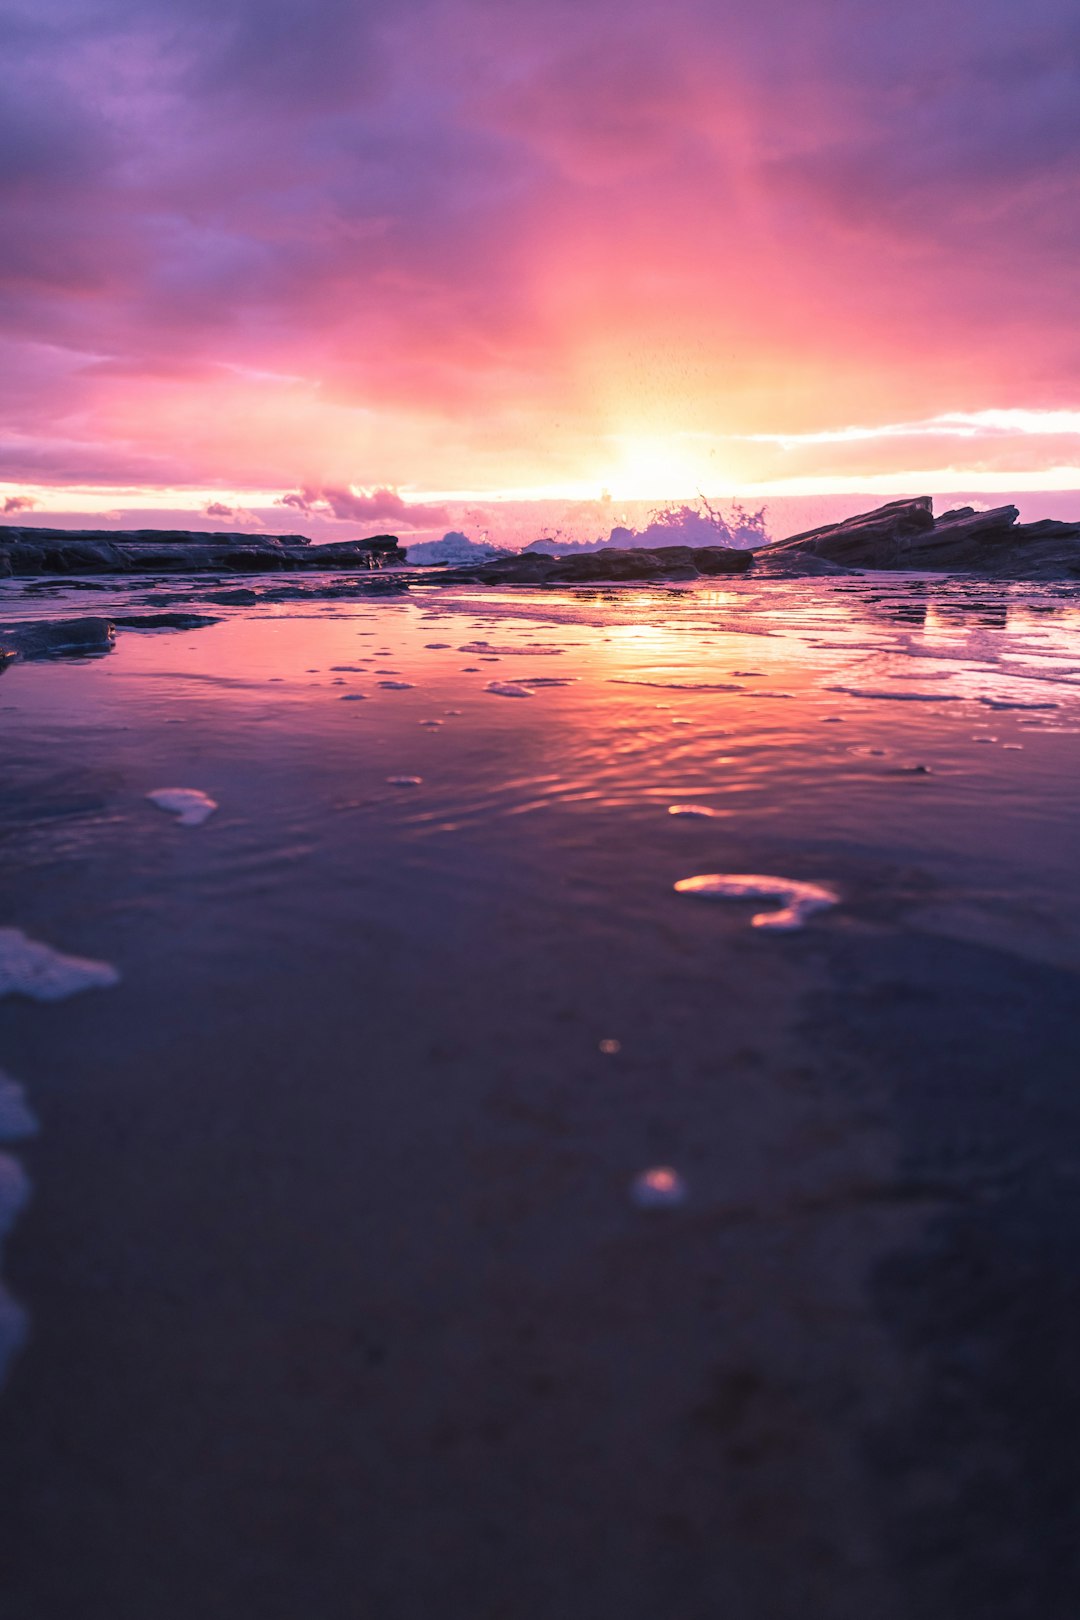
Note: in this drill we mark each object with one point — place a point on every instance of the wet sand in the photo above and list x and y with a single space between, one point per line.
340 1303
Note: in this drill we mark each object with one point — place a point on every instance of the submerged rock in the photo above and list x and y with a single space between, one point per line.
57 638
165 621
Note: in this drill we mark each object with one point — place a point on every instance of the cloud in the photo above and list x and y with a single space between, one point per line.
19 503
380 505
258 243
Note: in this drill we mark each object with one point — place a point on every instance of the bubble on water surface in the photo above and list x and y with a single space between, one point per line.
190 805
431 725
661 1187
352 697
343 669
405 781
508 689
701 810
29 968
437 646
396 686
610 1047
798 900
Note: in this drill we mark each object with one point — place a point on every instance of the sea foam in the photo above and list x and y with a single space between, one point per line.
798 900
28 968
189 805
16 1122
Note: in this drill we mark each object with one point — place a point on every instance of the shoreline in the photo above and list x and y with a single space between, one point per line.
902 535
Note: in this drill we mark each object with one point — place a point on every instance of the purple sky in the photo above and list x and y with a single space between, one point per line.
330 250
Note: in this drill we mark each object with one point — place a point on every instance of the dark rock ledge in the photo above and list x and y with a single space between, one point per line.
28 550
905 534
902 535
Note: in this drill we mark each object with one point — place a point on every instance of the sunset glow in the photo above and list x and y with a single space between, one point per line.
468 251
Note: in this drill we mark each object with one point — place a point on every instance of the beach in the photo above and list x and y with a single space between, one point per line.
340 1295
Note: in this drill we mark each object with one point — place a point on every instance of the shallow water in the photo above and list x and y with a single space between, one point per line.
385 1067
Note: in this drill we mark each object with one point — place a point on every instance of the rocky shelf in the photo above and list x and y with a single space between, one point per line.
901 535
27 550
906 535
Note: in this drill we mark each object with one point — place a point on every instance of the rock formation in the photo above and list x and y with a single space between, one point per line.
905 534
27 550
611 563
902 535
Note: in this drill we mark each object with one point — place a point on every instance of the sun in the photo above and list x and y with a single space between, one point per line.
654 467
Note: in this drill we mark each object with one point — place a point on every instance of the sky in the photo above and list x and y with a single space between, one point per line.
362 261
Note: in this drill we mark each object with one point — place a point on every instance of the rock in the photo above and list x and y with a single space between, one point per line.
905 534
871 540
165 621
27 550
56 639
609 563
240 597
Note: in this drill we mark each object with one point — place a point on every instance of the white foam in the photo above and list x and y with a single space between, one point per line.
14 1191
28 968
798 900
660 1187
508 689
189 805
16 1120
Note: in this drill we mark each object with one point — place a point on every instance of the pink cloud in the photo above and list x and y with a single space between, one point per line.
460 245
19 503
350 505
